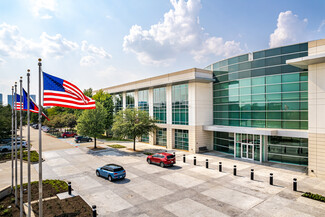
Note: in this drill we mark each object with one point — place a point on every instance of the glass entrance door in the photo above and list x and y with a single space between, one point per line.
247 151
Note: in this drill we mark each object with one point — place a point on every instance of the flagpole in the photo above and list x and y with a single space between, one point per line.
40 184
21 147
12 139
28 143
16 178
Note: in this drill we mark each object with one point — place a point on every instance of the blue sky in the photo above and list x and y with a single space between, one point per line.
103 43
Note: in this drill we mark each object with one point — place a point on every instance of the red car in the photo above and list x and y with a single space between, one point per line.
162 159
68 134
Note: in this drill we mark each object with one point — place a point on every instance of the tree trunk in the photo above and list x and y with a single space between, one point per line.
95 143
106 133
133 143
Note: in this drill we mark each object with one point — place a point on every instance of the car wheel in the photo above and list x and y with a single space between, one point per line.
97 173
78 141
149 161
110 178
64 136
162 164
89 140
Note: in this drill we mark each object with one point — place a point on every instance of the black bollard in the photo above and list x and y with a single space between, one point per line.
235 170
252 174
94 211
194 161
294 184
69 188
207 163
184 160
220 166
271 178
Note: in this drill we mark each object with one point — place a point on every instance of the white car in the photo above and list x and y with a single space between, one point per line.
45 129
8 146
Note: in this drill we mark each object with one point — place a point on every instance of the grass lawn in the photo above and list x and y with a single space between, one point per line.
33 156
116 146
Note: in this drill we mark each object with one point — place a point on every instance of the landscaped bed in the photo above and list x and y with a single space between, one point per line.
116 146
33 156
74 206
314 196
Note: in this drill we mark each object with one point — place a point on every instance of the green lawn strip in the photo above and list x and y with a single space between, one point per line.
147 153
116 146
314 196
114 139
33 156
58 186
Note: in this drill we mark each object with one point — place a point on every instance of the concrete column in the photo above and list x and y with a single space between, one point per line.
150 101
169 113
124 100
170 138
136 99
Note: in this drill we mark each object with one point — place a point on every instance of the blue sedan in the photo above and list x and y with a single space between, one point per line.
111 172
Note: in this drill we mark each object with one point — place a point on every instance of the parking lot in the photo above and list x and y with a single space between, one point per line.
182 190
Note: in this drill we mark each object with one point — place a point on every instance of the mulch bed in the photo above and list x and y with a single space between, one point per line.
73 206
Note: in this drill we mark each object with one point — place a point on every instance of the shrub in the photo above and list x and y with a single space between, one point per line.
314 196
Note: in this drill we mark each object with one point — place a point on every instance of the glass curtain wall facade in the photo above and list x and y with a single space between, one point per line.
159 104
288 150
118 102
223 142
180 104
261 90
181 139
143 104
129 100
161 137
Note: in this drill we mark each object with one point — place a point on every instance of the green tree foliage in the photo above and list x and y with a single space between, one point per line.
106 100
92 122
5 121
133 123
88 92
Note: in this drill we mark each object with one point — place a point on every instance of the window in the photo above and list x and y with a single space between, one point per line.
161 137
159 104
118 102
143 103
180 103
181 139
130 100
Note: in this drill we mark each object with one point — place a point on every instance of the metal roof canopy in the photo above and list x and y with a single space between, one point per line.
303 62
258 131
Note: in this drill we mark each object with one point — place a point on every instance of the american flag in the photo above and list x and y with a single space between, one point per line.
59 92
32 105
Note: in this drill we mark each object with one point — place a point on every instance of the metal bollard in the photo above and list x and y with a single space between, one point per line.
94 211
252 174
220 166
294 184
69 188
184 160
235 170
271 178
207 163
194 161
174 153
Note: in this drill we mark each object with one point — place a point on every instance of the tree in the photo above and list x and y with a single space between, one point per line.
69 120
92 122
5 121
88 92
106 100
133 123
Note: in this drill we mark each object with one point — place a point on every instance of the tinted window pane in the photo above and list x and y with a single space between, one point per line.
273 61
290 77
259 54
273 79
258 63
272 52
290 49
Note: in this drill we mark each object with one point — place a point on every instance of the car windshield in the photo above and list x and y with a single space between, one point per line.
170 156
118 169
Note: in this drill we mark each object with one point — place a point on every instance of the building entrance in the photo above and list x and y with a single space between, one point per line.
248 146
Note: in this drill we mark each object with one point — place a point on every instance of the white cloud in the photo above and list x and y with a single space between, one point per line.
2 61
179 32
321 26
14 45
290 29
92 54
41 8
88 61
56 45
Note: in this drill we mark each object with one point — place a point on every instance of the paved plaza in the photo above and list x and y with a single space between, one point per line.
182 190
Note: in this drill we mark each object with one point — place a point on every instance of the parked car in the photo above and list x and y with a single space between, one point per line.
5 141
45 129
68 134
162 159
79 139
35 126
8 146
111 172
